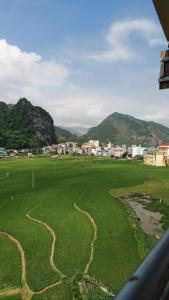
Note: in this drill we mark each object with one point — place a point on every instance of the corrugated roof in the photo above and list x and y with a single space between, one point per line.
162 8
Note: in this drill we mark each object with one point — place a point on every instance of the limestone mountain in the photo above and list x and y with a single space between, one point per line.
124 129
23 125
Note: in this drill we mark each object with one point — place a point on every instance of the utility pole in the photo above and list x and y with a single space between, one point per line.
54 167
33 179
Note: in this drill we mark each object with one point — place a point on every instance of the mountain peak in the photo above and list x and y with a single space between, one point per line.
124 129
25 126
116 114
3 105
24 101
122 115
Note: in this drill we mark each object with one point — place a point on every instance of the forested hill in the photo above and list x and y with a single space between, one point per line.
64 135
124 129
24 125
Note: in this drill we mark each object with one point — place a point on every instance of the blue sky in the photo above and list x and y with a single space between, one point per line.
83 59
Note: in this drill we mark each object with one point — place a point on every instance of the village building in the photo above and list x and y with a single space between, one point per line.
47 150
119 151
164 148
31 155
137 151
2 153
12 153
87 148
92 148
156 158
94 143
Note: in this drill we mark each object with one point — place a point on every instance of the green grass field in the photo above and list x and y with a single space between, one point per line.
45 240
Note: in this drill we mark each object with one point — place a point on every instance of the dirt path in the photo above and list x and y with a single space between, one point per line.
10 292
95 232
53 235
49 287
27 293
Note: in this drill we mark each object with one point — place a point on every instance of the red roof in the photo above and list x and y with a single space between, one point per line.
164 145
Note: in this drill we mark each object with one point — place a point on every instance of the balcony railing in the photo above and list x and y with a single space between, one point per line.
151 280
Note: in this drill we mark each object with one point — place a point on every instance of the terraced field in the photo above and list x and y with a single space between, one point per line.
65 226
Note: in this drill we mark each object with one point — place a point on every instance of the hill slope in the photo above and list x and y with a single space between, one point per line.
64 135
24 125
124 129
77 130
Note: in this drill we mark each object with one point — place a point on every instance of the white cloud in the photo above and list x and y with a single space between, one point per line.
46 83
21 70
154 117
159 117
70 97
120 45
79 110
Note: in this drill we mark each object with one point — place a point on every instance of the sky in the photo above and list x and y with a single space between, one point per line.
82 60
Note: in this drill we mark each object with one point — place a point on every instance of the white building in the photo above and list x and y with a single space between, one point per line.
94 143
137 151
109 146
2 153
97 151
119 151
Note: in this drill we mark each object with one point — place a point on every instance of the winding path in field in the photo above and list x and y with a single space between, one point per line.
26 290
6 293
57 283
95 232
53 235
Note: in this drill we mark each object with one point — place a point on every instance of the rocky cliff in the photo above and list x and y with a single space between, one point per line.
24 125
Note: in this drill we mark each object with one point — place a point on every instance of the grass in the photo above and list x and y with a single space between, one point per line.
119 247
9 256
159 192
58 293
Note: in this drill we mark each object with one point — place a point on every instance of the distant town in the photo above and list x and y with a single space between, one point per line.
155 156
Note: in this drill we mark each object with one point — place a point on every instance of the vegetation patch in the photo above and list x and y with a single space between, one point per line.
120 244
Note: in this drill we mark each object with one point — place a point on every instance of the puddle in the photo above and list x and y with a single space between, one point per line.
149 221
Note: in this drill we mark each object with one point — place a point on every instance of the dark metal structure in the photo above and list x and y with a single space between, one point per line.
151 280
164 70
162 8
